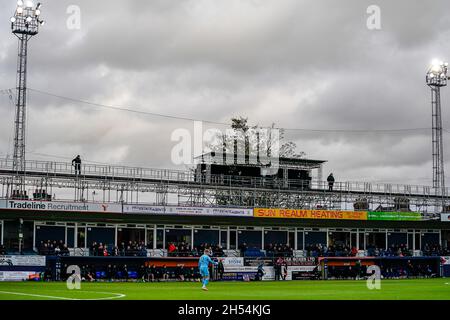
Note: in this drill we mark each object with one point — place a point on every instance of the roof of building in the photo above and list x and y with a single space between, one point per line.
217 158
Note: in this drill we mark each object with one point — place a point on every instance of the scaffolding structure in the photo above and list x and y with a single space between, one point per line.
132 185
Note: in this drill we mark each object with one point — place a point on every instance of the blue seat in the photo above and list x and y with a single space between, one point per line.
255 253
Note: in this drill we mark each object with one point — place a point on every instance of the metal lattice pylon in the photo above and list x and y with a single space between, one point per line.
437 78
437 143
21 102
24 24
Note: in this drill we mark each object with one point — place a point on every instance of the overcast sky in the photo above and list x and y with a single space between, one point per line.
301 64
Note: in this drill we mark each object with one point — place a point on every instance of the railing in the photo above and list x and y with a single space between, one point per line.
97 170
51 168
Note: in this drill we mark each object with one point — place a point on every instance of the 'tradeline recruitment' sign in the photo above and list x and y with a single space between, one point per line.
60 206
188 211
309 214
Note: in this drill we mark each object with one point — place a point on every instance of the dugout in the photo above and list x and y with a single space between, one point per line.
390 267
57 265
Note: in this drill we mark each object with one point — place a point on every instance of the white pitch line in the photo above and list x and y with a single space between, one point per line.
35 295
116 295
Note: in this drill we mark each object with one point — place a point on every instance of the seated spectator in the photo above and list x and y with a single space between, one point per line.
87 274
150 273
243 248
172 249
164 273
180 272
124 273
115 252
100 250
122 249
141 275
110 273
218 251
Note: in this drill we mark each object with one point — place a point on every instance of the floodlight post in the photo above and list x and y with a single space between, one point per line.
24 24
435 79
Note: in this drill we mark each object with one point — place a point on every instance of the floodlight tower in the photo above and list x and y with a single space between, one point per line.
437 78
24 24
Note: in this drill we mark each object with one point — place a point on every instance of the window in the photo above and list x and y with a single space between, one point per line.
160 239
233 240
150 237
223 239
81 237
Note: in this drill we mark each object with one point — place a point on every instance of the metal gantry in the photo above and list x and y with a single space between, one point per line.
162 187
104 183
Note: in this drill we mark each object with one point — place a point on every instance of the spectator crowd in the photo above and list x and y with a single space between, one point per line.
400 250
337 250
141 273
129 249
399 270
53 248
279 250
183 249
397 250
435 250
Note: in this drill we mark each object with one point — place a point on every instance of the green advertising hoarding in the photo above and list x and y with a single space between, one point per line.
394 216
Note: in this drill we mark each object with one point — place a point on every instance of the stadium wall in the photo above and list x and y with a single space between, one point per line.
300 226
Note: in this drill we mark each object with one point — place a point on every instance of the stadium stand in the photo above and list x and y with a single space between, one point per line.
120 240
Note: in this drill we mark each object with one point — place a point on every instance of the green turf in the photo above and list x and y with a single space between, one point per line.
437 289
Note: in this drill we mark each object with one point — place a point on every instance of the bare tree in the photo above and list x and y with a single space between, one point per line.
242 135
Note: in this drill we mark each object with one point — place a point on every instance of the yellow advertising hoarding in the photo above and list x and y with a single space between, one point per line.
309 214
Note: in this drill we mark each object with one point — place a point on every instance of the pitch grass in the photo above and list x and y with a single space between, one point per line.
423 289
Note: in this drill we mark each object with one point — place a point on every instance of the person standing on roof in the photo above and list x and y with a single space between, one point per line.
330 180
77 164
